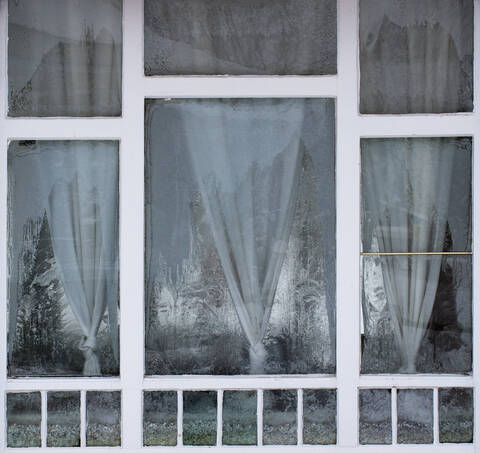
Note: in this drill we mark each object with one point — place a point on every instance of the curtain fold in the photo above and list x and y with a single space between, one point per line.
246 162
407 186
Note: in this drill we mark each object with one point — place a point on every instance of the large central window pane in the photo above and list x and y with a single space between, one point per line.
240 236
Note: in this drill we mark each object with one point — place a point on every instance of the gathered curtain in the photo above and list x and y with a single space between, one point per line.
406 186
246 162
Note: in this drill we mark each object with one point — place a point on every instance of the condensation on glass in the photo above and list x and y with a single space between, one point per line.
23 419
240 236
63 419
416 56
64 58
455 407
159 418
200 418
417 309
63 258
375 406
415 416
279 417
319 416
248 37
239 417
103 419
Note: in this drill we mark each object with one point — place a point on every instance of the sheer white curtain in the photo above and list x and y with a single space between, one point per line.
78 185
406 185
246 160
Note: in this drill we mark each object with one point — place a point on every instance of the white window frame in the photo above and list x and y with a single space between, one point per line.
129 130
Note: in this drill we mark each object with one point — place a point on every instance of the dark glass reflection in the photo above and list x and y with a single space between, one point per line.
375 407
159 418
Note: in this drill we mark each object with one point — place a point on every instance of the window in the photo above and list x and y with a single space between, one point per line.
267 269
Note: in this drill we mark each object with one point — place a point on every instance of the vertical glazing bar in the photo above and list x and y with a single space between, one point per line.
83 418
436 436
259 417
219 417
179 418
300 417
348 225
43 422
394 416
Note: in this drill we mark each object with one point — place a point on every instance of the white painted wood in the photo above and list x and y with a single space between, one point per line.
179 418
394 416
83 418
43 423
259 417
435 417
219 417
300 417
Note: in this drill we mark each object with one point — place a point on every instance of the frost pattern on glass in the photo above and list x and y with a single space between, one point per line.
23 419
65 57
247 37
208 308
63 258
415 416
455 407
375 407
199 418
63 419
280 417
159 418
416 56
103 419
320 417
239 418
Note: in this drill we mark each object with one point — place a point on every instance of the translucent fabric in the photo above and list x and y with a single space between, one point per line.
406 187
76 184
416 56
65 57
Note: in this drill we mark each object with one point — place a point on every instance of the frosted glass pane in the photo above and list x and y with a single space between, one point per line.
416 56
247 37
23 419
455 415
280 417
375 416
159 418
103 419
274 163
415 416
199 418
239 418
320 417
63 419
63 258
65 57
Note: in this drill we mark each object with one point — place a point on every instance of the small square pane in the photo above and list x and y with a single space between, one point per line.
159 418
23 419
415 416
375 416
416 56
65 57
247 37
63 419
239 418
455 415
320 417
103 419
199 418
280 417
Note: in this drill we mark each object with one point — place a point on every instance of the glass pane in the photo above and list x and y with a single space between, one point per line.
248 37
456 415
239 418
65 57
23 419
415 416
416 56
159 418
375 416
199 418
63 258
103 419
280 417
63 420
230 297
320 417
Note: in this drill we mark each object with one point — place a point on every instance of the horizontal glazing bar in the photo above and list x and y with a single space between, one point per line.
412 253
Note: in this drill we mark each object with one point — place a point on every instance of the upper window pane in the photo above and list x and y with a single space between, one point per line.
416 56
240 236
240 37
65 57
